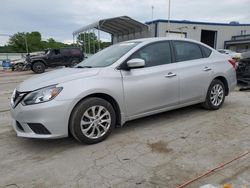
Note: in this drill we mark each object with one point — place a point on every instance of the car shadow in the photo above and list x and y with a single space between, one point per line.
164 117
145 122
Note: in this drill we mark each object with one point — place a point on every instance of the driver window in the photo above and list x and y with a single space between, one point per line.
154 54
57 51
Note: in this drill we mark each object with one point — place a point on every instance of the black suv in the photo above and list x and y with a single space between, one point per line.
55 57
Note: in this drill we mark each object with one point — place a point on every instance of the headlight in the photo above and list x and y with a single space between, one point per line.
41 95
13 96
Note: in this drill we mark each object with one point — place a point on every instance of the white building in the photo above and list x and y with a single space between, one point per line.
233 35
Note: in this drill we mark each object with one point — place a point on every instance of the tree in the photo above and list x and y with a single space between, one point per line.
17 42
6 49
34 42
51 43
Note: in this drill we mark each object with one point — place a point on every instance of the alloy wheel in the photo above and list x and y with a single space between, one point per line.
95 122
217 95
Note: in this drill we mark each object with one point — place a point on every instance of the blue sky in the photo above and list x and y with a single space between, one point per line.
59 18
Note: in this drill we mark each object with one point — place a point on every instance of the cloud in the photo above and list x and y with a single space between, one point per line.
58 19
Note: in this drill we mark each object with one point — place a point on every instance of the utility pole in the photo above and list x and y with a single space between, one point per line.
99 40
168 17
152 7
26 44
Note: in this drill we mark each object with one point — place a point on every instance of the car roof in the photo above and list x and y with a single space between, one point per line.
160 39
62 48
155 39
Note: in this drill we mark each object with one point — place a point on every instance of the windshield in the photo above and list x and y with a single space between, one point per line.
107 56
47 52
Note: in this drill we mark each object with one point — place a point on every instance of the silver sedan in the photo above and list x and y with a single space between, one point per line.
123 82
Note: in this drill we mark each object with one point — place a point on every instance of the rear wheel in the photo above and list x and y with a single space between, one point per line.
38 67
74 62
92 120
215 95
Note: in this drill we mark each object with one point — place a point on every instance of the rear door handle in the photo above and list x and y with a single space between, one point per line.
170 75
207 69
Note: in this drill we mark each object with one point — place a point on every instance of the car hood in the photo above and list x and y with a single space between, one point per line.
38 56
56 77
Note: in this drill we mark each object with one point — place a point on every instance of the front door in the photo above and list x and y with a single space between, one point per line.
55 57
153 87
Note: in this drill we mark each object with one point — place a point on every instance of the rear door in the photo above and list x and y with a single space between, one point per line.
66 57
154 86
195 71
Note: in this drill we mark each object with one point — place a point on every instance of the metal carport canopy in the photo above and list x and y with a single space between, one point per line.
122 25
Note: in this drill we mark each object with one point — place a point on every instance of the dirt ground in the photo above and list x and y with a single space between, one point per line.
163 150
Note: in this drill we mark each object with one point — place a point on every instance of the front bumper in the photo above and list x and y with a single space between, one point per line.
51 116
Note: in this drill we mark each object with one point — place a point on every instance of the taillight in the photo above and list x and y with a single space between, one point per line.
232 62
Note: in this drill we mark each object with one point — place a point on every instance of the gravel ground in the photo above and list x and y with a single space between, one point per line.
163 150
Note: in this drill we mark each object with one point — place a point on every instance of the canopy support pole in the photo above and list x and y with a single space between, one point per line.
93 41
89 41
84 44
99 41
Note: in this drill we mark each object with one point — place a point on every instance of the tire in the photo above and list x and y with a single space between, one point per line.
38 67
215 95
18 67
84 124
74 62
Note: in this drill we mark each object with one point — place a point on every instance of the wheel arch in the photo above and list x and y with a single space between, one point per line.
106 97
39 60
225 82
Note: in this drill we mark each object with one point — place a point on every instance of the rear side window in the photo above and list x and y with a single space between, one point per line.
206 51
70 51
187 51
75 51
64 51
154 54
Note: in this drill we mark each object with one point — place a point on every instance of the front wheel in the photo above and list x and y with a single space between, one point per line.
92 120
38 67
215 95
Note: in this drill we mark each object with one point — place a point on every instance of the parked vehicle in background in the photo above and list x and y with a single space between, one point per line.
243 70
6 64
123 82
55 57
232 54
20 65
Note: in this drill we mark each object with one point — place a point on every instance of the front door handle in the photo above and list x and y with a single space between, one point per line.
170 75
207 69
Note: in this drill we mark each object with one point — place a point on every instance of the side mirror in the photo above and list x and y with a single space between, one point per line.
136 63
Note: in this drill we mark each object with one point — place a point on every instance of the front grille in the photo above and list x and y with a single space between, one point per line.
38 128
19 126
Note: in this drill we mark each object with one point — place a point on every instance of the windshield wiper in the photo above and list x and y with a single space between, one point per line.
83 67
